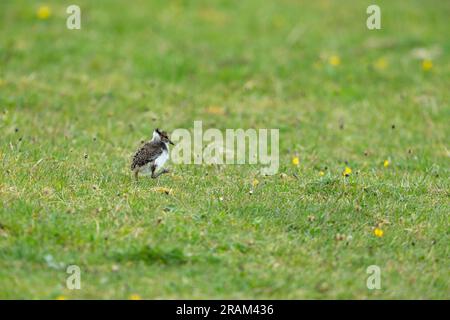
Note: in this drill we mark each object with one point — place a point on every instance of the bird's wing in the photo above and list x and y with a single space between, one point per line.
147 153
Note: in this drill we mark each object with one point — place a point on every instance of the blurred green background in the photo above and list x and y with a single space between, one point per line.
75 105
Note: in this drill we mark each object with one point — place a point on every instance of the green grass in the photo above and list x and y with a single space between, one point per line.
74 106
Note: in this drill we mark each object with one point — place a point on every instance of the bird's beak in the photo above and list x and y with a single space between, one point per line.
170 141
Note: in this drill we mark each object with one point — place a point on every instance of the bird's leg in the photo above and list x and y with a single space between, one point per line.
156 175
136 174
153 168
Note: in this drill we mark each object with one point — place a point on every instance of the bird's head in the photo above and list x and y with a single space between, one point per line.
159 135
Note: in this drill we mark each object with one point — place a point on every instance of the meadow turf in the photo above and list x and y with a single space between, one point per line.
75 105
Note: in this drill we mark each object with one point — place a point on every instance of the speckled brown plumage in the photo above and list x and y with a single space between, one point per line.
147 154
152 155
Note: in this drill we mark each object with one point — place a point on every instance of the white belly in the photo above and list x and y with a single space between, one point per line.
161 160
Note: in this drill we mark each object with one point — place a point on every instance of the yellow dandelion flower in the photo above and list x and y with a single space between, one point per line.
162 190
386 163
321 173
43 12
381 64
347 171
215 110
61 298
427 65
134 296
295 161
213 16
255 182
378 232
334 60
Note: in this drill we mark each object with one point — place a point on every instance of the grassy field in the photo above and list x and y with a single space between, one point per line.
75 105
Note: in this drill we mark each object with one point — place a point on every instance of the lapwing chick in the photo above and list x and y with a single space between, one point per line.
152 156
